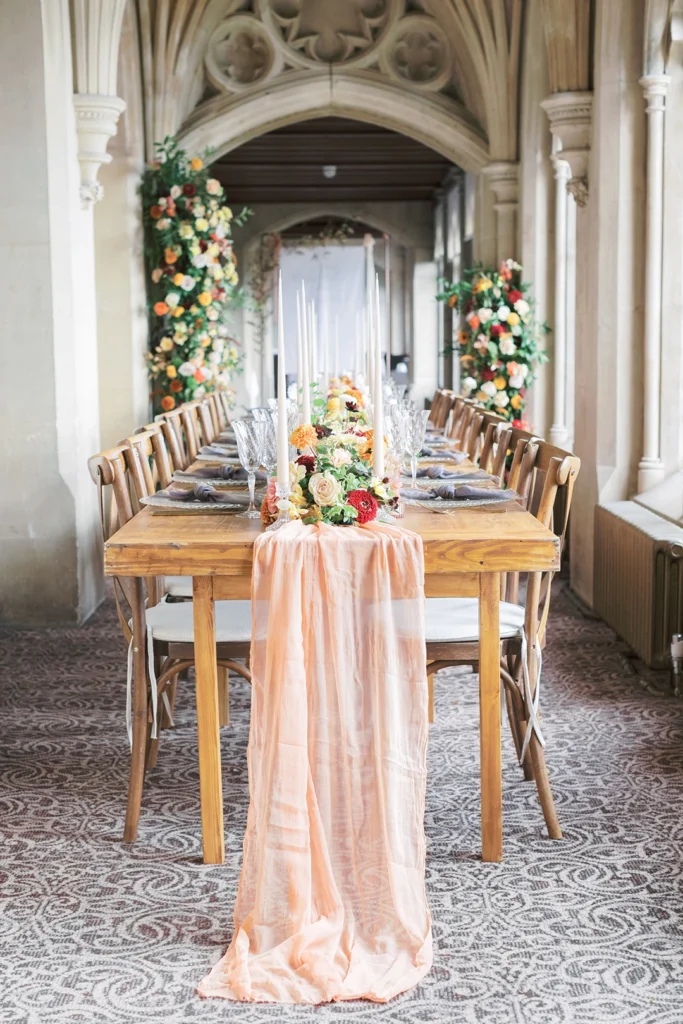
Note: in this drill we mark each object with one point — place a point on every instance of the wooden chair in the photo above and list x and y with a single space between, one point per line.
174 436
441 406
452 624
168 628
494 448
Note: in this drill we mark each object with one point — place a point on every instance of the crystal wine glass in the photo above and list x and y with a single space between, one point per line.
269 458
416 428
250 436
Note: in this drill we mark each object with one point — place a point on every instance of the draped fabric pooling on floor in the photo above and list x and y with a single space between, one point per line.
331 902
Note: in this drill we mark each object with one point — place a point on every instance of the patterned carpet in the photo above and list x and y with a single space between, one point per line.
583 931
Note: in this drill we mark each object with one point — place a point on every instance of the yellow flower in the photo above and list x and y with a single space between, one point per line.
194 308
171 370
178 279
186 230
196 164
166 344
201 224
234 277
206 341
513 319
226 212
500 383
482 285
334 405
217 273
204 299
296 496
482 396
178 311
516 401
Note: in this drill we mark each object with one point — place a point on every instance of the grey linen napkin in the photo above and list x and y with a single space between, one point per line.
446 455
458 492
441 473
222 472
203 492
220 451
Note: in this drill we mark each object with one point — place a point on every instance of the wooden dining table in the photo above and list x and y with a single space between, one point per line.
465 553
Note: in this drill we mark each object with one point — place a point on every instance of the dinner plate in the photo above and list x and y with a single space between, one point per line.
227 460
444 503
217 482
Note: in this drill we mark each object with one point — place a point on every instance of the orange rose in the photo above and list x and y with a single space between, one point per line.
176 385
168 403
161 309
303 437
170 255
452 300
474 321
155 212
178 279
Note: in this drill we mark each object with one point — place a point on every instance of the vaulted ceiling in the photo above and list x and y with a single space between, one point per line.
364 162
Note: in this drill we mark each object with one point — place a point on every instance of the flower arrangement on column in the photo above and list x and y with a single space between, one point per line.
500 338
191 275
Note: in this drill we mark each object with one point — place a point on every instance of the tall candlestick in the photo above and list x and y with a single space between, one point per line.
305 366
387 297
313 336
378 418
337 369
282 431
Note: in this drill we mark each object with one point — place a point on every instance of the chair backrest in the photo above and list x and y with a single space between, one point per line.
551 474
461 421
207 426
224 400
174 436
217 414
494 447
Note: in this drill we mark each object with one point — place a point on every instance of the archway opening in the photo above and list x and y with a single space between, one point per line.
329 182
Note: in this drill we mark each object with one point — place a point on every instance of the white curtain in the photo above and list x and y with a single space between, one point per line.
334 276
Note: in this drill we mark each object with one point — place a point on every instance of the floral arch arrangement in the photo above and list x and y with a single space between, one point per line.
191 274
500 339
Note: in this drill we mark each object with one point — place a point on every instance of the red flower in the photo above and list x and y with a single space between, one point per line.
487 374
308 461
365 504
189 189
496 330
514 296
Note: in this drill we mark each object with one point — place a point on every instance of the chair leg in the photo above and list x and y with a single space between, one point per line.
152 749
223 695
544 791
517 719
430 697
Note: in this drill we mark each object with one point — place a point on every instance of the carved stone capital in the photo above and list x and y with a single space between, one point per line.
96 120
654 90
503 177
570 116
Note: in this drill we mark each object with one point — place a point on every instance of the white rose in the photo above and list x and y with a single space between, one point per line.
214 357
340 457
503 313
496 292
324 489
517 330
522 307
163 224
187 283
199 392
469 384
200 260
489 388
172 299
187 369
500 399
517 381
506 346
485 314
175 191
212 313
214 187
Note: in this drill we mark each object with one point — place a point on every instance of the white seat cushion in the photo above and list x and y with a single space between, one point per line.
456 619
174 622
178 586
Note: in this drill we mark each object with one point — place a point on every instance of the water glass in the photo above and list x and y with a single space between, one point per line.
416 428
251 436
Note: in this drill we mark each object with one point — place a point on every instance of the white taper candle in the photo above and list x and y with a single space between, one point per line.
282 431
305 365
377 398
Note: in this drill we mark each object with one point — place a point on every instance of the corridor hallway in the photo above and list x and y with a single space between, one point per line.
587 930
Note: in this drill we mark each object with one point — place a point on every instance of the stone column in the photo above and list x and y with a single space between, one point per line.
503 180
651 468
558 430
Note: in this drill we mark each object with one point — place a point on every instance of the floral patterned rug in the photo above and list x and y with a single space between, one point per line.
583 931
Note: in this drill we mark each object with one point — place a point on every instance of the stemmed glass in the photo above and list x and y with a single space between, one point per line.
415 430
269 459
250 435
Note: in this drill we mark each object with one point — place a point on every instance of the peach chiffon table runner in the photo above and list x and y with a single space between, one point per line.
331 902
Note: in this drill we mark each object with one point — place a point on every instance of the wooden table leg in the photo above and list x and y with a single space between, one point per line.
208 732
489 705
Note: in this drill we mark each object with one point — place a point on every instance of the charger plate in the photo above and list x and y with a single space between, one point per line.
444 503
158 503
217 482
228 460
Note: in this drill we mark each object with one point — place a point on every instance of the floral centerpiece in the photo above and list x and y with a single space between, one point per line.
331 479
500 337
192 276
